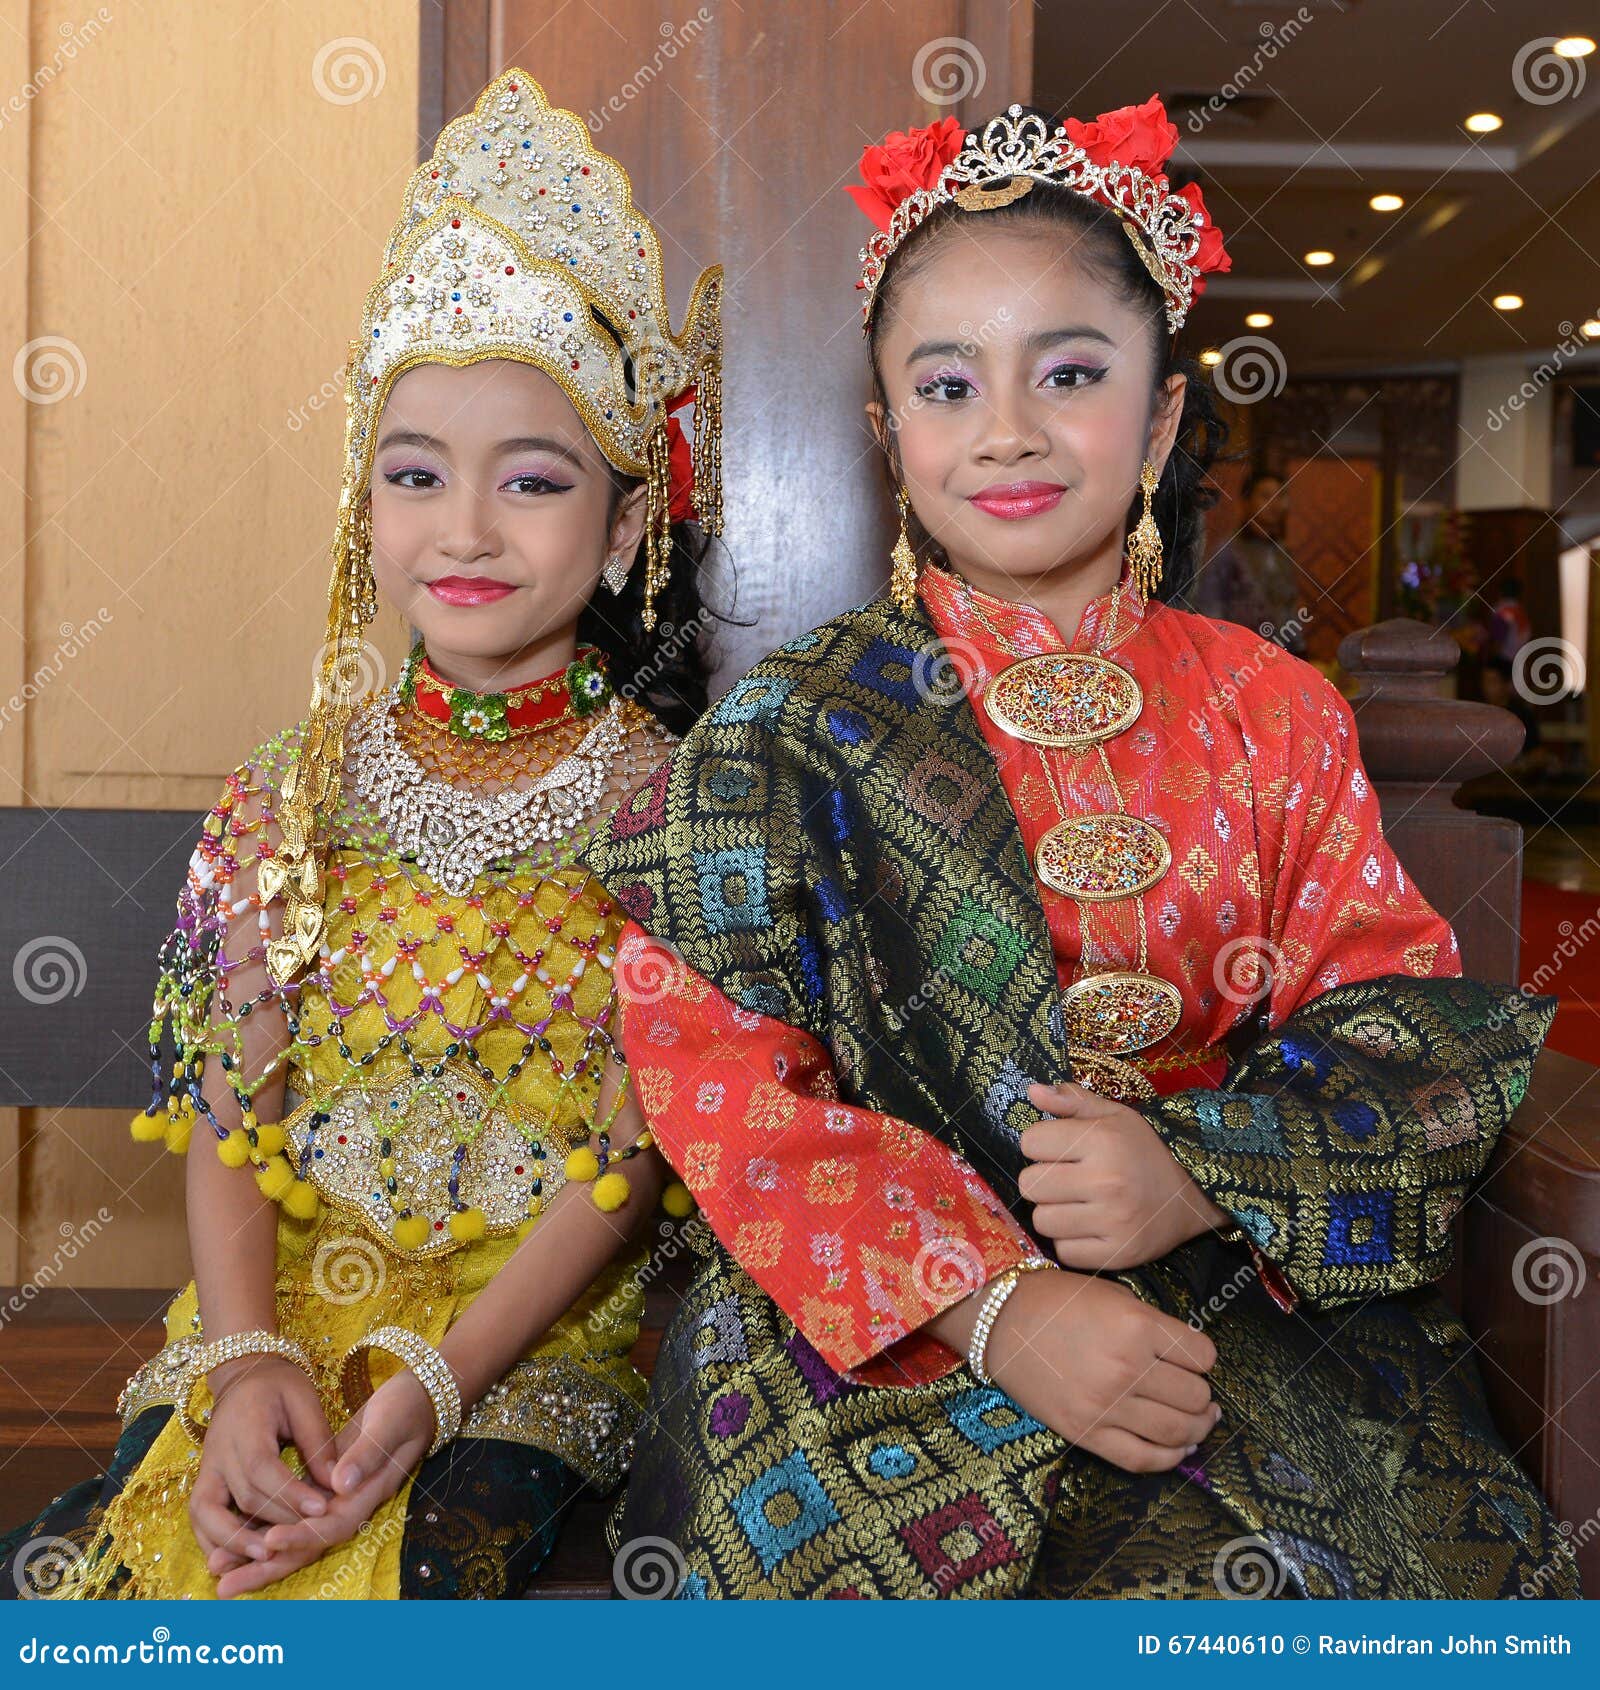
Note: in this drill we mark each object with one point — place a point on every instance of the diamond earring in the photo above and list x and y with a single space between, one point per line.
615 573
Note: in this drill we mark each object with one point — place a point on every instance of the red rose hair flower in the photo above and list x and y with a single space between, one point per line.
1140 136
900 164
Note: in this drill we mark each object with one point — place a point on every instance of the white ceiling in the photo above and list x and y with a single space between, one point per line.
1364 97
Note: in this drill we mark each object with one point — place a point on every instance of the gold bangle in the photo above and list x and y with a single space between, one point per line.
433 1373
231 1348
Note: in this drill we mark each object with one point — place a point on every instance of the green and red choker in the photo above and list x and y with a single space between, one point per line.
577 690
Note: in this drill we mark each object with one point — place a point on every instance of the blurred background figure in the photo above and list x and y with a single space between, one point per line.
1251 578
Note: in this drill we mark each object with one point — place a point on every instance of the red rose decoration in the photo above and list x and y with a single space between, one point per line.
1139 136
1211 255
902 163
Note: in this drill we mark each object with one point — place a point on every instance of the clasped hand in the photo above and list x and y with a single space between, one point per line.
257 1522
1105 1189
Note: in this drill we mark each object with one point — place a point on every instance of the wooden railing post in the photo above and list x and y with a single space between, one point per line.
1419 745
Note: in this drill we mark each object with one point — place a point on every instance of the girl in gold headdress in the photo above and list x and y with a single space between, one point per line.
389 982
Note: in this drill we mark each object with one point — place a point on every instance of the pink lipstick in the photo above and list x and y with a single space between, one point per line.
1019 499
468 589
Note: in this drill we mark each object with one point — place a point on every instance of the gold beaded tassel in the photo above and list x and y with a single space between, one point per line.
903 562
658 519
1144 544
707 445
312 778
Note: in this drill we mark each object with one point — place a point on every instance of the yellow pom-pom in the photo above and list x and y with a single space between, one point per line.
611 1191
301 1200
269 1139
148 1128
274 1178
234 1150
678 1200
582 1163
467 1224
411 1232
180 1127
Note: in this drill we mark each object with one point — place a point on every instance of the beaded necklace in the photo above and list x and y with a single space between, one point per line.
576 690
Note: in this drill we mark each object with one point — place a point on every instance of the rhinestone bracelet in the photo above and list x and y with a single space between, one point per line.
432 1370
994 1299
231 1348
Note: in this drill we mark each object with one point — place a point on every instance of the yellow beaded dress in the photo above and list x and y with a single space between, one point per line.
442 1059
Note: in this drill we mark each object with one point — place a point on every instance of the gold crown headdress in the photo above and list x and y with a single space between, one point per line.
1117 160
518 240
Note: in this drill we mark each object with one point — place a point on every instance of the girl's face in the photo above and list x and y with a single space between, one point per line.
1022 401
492 517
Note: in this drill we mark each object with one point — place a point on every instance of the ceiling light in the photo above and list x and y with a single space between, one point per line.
1258 320
1319 255
1574 47
1483 123
1386 202
1507 302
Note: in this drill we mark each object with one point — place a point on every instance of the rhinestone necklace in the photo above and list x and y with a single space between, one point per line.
455 835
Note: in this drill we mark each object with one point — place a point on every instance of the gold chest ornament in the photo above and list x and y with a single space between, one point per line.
1074 701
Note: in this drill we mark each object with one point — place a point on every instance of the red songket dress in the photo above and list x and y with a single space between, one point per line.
860 1226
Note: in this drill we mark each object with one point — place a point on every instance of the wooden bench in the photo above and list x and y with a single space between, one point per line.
63 1361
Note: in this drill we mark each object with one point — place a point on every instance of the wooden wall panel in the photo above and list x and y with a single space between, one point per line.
193 213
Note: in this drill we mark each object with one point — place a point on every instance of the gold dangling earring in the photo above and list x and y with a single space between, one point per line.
903 562
1144 544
